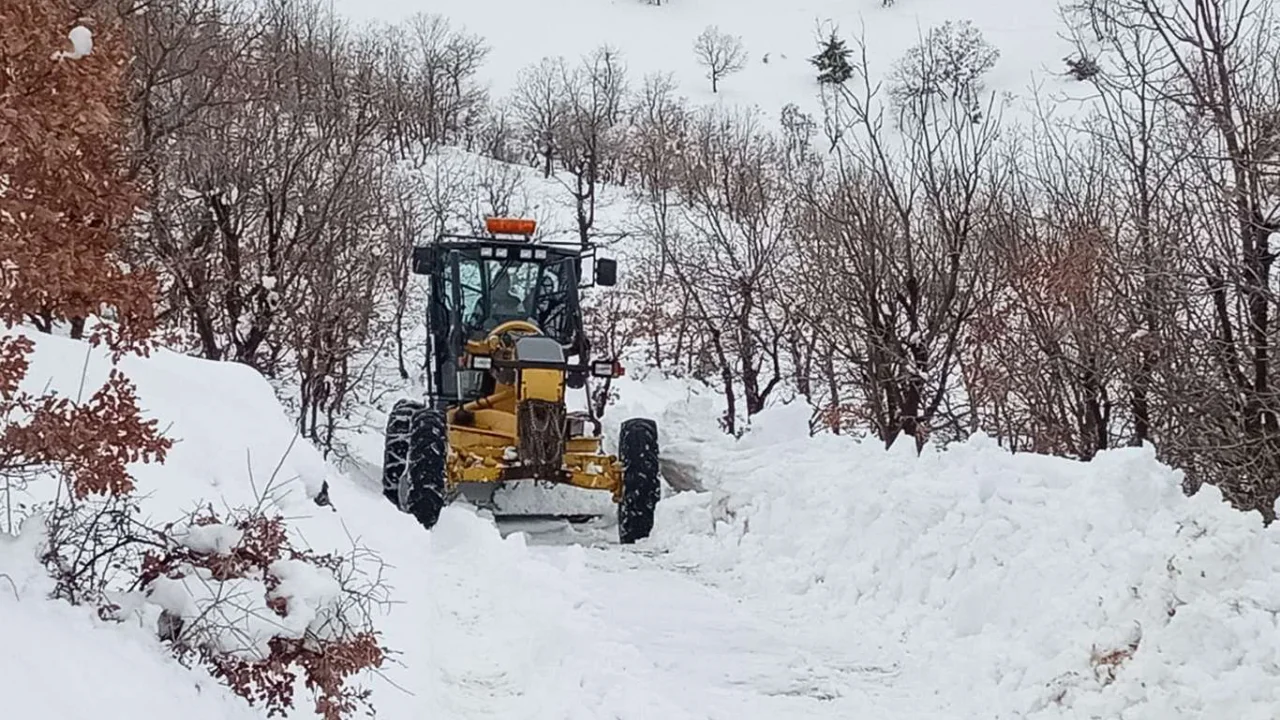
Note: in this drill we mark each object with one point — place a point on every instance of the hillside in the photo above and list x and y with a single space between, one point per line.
778 37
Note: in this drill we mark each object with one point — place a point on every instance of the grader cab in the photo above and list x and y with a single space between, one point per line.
506 344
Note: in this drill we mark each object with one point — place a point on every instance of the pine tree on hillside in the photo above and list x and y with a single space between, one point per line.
833 62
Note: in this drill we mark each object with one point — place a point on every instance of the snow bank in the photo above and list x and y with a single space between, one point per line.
1024 585
61 663
233 442
234 448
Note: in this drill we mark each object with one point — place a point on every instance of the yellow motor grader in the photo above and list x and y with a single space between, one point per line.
506 343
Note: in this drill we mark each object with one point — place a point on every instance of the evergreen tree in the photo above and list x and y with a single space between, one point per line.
833 62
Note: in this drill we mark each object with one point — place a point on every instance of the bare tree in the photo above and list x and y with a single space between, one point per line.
1210 67
902 228
946 66
720 53
418 206
497 190
497 135
586 139
661 126
262 205
436 99
539 106
1045 358
738 222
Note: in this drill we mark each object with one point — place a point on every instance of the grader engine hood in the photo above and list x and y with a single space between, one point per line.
540 412
526 408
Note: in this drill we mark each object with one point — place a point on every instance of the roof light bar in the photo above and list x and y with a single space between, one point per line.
510 226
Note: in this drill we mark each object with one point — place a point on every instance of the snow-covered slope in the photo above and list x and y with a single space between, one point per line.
779 36
462 646
59 662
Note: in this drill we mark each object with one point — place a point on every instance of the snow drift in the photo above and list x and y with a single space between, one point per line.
1012 585
62 663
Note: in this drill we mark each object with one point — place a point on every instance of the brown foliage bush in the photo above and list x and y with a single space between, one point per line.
91 443
349 646
66 204
62 217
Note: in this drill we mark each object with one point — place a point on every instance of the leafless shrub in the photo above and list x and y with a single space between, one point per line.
1107 663
239 597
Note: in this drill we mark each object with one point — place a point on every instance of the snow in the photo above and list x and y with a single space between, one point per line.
81 39
233 616
995 576
788 577
63 663
215 606
779 38
217 538
815 577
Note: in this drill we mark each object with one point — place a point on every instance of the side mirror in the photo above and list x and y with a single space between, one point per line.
424 260
606 272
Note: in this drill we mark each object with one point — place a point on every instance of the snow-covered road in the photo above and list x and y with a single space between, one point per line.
699 651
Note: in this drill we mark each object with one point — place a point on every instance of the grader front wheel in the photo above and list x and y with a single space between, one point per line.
422 486
395 452
641 484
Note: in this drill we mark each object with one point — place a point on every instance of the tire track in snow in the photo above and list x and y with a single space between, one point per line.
718 655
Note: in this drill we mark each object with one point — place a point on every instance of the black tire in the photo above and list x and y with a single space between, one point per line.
641 484
395 452
422 486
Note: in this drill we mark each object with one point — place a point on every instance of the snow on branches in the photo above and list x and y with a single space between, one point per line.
240 597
